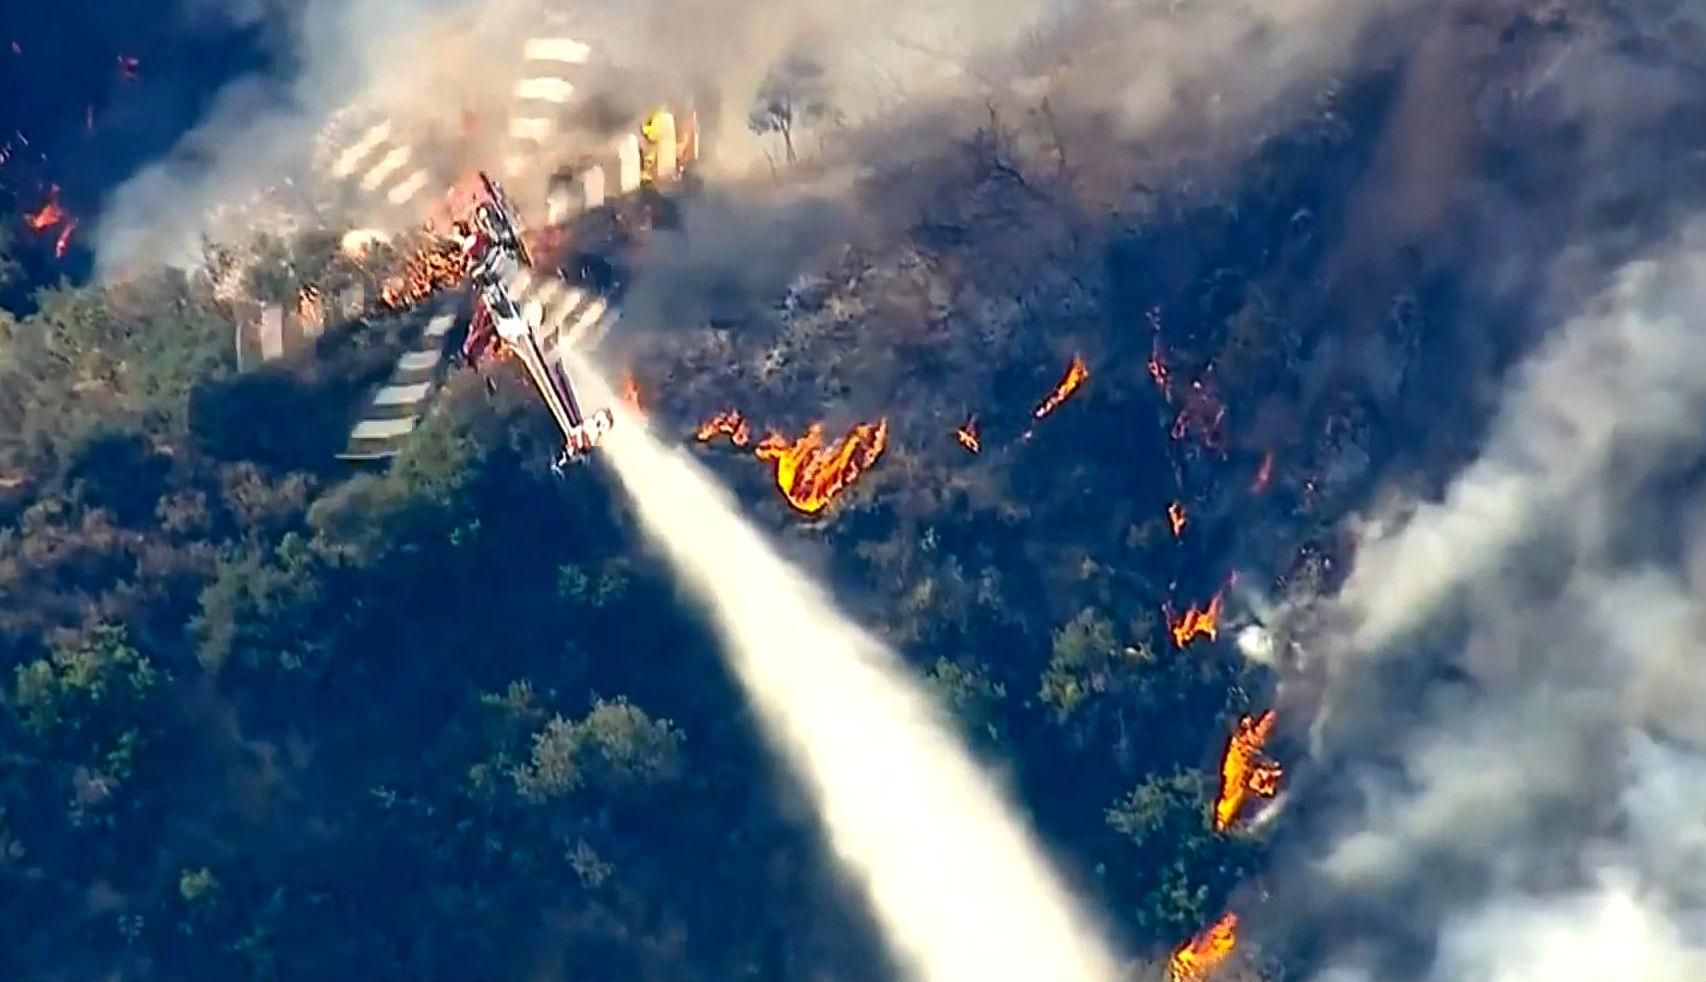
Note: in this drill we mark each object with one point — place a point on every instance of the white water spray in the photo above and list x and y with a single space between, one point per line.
958 884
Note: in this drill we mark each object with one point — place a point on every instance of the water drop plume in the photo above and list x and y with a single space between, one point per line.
958 884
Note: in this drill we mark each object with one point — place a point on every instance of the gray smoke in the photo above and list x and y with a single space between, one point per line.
1148 65
1514 695
1565 773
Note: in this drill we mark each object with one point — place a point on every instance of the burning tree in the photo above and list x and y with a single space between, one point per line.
1194 622
1198 959
1077 373
1245 769
808 473
433 265
811 475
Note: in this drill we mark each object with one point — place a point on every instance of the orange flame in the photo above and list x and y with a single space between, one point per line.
1194 622
49 215
811 475
1264 472
1176 518
1204 954
967 434
1158 368
631 394
729 423
1245 770
1076 374
436 265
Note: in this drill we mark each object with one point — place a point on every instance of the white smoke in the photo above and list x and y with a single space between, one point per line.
1141 63
958 884
1607 394
1568 777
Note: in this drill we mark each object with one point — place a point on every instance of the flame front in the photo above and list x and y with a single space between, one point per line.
811 475
1245 769
436 265
631 394
967 434
1194 622
1076 374
729 423
1198 959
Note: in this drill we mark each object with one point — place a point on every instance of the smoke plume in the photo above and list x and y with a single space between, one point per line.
1154 69
959 886
1509 664
1544 808
1510 751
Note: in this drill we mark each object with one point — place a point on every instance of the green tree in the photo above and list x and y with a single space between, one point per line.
1084 662
615 746
93 705
1180 871
264 608
971 695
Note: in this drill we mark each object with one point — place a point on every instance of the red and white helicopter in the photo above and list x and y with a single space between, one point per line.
495 252
596 208
498 267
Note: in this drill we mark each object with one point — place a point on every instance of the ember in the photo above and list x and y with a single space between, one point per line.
63 242
1176 518
967 434
1245 770
1202 414
1158 369
1197 960
1264 472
